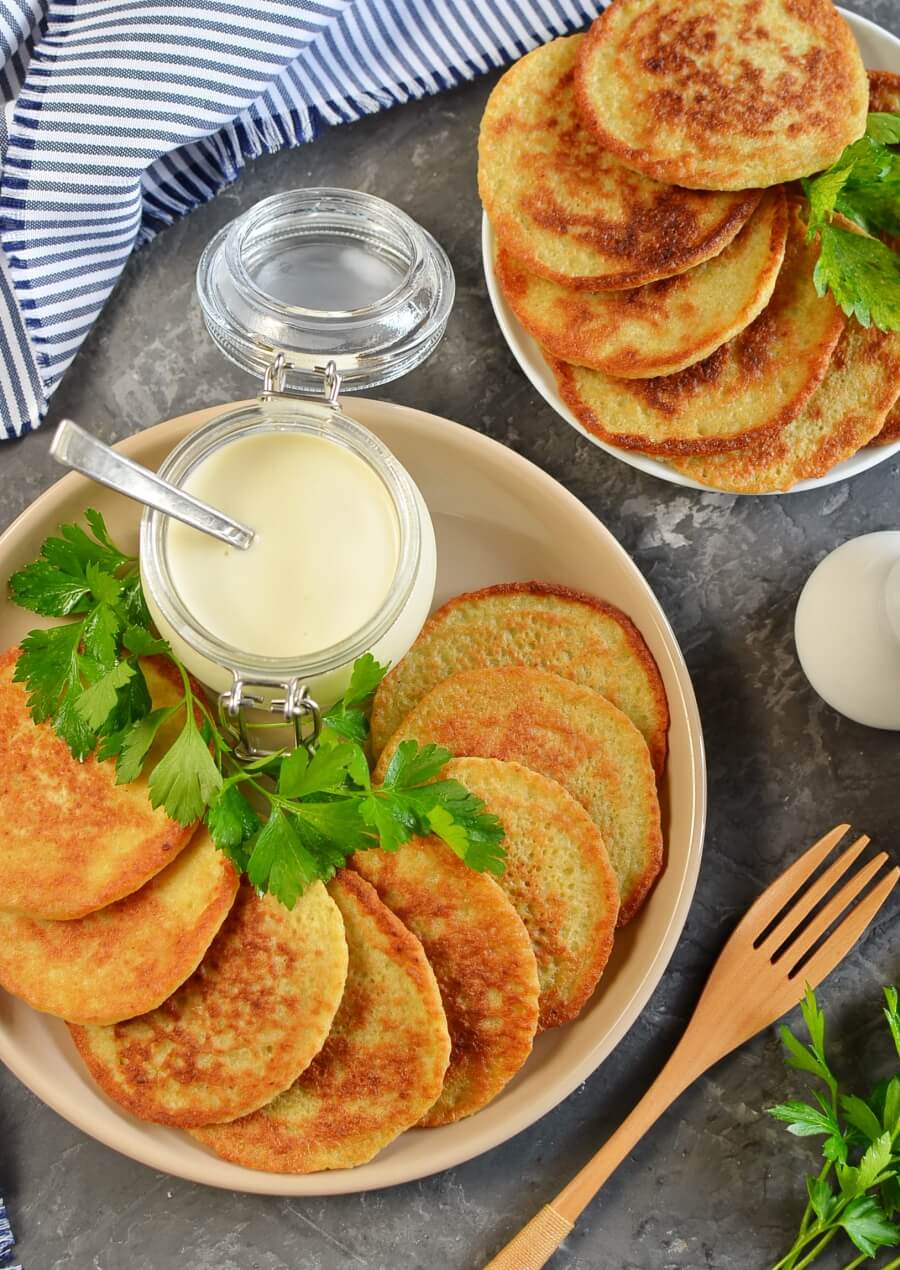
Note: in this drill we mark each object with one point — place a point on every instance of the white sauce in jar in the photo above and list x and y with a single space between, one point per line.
325 550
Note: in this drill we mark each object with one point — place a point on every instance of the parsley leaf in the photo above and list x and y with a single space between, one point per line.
892 1015
186 777
348 718
862 274
44 589
412 765
96 704
804 1121
365 677
327 770
865 1222
863 186
859 1148
79 573
48 666
232 822
279 862
134 742
884 126
860 1115
821 1197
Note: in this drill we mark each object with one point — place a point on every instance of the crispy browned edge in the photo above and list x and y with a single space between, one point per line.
553 1011
178 835
415 966
679 260
670 172
659 749
655 862
742 205
207 925
390 925
564 374
888 80
575 354
890 432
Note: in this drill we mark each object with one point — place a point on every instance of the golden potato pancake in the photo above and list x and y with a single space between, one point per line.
664 326
890 431
558 877
720 96
125 959
381 1068
884 91
749 388
844 414
73 841
241 1029
565 732
534 624
566 208
482 958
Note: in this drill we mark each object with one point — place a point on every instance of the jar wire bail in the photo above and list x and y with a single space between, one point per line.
297 707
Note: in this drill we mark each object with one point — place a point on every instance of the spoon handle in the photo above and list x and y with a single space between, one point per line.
75 448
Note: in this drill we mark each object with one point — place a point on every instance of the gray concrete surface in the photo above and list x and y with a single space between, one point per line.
716 1184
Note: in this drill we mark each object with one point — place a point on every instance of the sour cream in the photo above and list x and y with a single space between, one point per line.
343 560
323 557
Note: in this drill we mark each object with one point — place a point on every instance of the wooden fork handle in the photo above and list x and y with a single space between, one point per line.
536 1243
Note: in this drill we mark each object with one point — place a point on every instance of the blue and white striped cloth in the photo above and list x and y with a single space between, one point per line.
6 1240
129 113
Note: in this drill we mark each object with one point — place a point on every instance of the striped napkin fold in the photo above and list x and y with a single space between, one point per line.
6 1239
129 114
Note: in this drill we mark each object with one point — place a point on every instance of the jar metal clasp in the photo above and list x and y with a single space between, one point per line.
297 708
275 379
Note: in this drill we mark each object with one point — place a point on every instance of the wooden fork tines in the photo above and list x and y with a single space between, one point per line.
793 935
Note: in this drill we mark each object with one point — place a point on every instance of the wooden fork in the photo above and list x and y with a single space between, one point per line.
759 976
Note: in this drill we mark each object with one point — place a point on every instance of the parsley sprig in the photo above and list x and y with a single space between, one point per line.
863 187
856 1192
285 820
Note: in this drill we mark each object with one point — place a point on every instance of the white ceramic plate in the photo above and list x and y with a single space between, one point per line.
498 518
881 51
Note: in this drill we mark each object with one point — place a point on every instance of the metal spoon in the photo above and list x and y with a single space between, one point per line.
73 447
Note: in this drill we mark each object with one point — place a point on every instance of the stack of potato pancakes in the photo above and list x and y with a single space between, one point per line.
409 990
638 180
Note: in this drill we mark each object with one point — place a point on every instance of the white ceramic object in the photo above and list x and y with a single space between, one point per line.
880 51
847 629
497 518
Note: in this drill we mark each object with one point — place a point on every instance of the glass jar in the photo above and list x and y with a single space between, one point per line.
313 290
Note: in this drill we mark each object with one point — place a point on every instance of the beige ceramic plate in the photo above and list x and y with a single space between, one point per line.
880 51
498 518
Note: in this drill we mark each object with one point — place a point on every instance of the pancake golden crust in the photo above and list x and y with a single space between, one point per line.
381 1068
664 326
890 432
565 732
751 387
125 959
241 1029
558 877
74 841
723 96
570 211
482 958
884 91
844 414
538 624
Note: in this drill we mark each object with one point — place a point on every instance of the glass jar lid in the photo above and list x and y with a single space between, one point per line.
326 275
